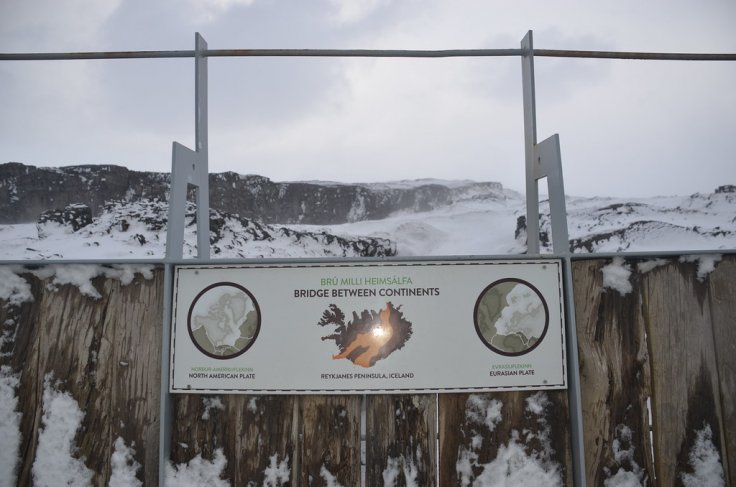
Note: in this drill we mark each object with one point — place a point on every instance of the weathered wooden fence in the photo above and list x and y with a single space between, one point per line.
670 342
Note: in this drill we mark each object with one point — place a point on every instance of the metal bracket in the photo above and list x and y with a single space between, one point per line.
548 163
190 167
542 160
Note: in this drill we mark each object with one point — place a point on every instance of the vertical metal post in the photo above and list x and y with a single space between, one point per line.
202 148
530 140
165 415
188 167
574 398
545 160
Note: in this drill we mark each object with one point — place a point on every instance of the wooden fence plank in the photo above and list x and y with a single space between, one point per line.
685 385
451 412
103 352
24 321
401 439
255 433
330 440
313 436
614 377
135 317
723 305
74 347
520 435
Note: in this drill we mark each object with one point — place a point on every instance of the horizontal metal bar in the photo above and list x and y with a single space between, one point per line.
658 56
64 56
650 254
37 262
285 260
371 53
387 260
363 53
357 260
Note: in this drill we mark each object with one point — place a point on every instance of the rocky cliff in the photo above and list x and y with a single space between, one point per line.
26 191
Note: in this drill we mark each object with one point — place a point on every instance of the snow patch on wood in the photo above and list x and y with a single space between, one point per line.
55 463
650 265
124 466
328 477
9 425
394 469
706 263
211 403
81 275
481 410
199 472
616 276
629 473
277 473
705 462
13 288
516 463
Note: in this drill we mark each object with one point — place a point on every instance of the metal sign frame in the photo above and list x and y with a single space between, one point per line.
369 327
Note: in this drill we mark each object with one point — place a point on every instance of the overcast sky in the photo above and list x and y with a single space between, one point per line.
627 128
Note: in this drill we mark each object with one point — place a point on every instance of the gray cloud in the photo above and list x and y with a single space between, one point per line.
627 127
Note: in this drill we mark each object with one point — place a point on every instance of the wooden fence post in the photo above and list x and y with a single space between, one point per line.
479 433
401 439
614 376
723 305
330 439
686 388
671 339
104 353
254 432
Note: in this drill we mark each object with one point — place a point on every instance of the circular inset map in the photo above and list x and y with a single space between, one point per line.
511 317
224 320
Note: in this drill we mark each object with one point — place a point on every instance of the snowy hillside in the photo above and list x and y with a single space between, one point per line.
138 231
478 219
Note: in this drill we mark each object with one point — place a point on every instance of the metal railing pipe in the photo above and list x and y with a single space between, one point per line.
369 53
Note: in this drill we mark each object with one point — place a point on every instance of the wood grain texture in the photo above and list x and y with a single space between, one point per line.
135 319
722 286
401 436
685 384
614 377
535 421
313 436
105 353
255 433
22 360
330 439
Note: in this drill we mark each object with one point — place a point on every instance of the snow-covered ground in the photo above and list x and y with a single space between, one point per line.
478 224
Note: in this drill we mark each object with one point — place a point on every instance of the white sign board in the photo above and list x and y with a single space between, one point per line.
368 327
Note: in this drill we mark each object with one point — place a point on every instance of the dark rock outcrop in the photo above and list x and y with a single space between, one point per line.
73 217
26 191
